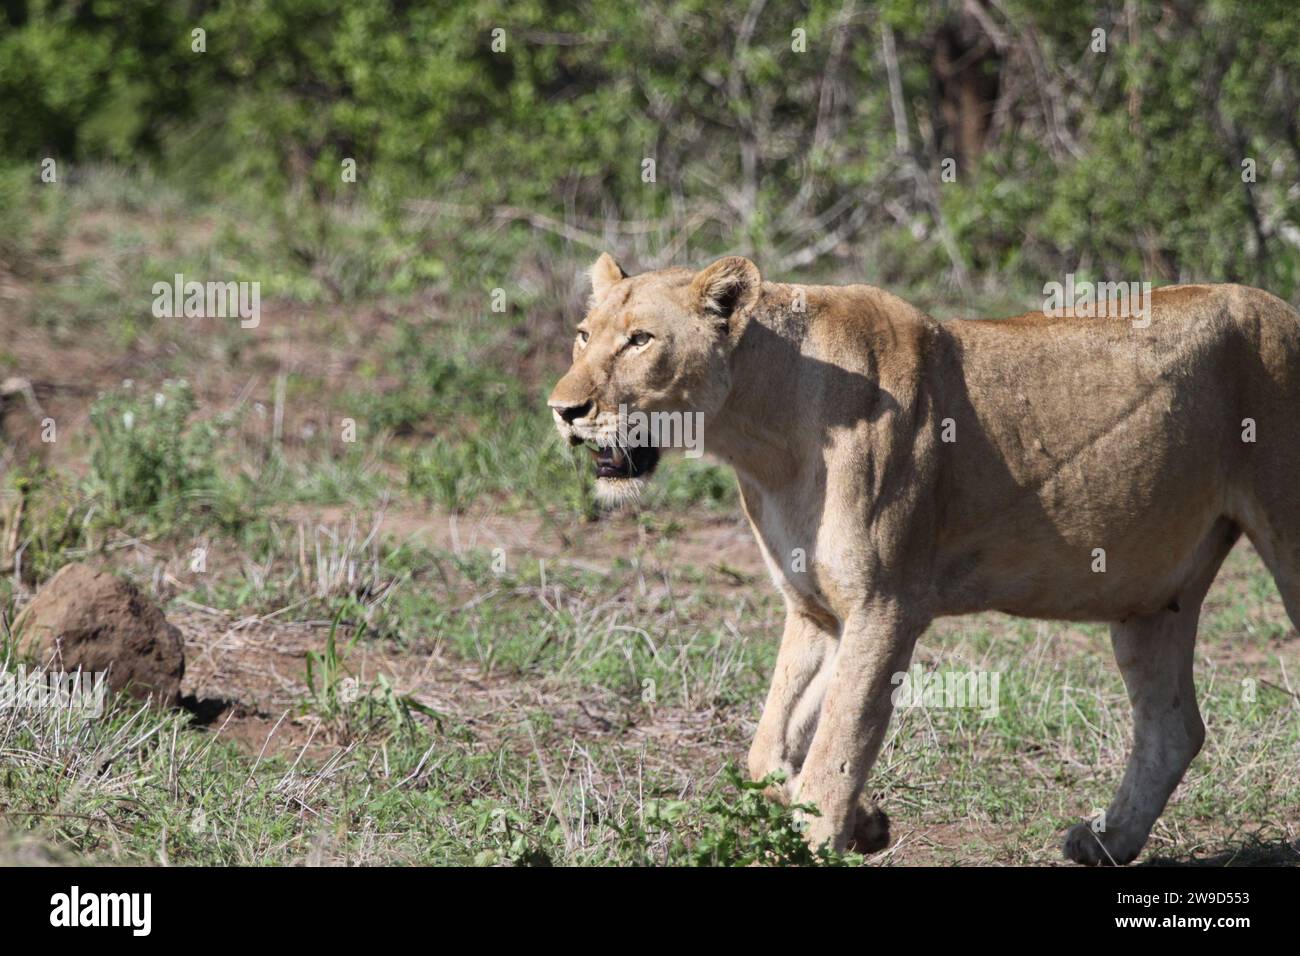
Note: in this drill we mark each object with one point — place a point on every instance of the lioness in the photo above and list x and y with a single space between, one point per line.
1072 468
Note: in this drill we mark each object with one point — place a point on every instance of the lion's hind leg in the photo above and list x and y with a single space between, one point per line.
1155 655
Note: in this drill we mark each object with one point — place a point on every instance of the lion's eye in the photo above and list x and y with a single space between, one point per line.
583 336
639 339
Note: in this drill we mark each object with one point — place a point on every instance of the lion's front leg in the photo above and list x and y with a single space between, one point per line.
875 645
794 699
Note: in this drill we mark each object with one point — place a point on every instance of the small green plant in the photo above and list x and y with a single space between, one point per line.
147 456
43 515
329 685
337 699
743 826
383 702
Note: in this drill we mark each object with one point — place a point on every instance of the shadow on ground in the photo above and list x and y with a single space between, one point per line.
1249 853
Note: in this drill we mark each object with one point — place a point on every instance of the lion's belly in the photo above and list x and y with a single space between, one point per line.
1132 574
1113 532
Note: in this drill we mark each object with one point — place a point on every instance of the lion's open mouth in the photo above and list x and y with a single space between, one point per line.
614 462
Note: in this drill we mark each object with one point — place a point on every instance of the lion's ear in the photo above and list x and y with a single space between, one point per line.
728 286
604 273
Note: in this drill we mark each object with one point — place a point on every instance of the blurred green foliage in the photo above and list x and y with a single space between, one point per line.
1127 161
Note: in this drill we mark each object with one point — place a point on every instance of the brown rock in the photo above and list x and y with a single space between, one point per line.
98 622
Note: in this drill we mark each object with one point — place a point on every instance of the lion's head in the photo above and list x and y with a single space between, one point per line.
652 349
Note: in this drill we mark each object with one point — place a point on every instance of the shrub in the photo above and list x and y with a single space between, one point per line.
147 457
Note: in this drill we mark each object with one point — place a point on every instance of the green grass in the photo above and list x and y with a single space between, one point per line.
142 787
396 779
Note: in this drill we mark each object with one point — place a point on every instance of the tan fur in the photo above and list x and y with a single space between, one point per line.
1071 434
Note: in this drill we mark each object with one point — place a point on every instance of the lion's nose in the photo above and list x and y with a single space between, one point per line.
571 412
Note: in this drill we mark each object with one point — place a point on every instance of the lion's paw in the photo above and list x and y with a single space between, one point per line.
870 828
1086 846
